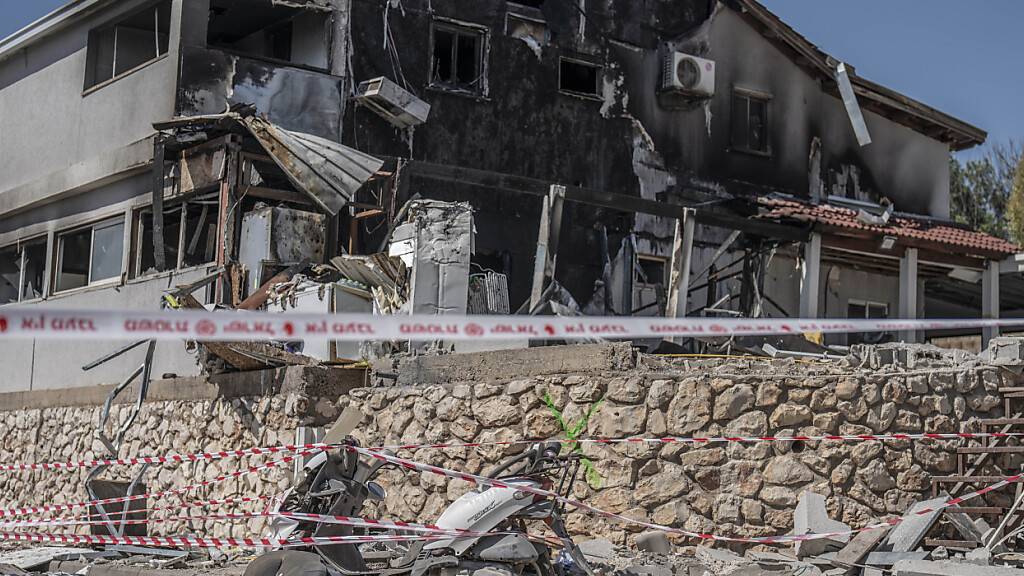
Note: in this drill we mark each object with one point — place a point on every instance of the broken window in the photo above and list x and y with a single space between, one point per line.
89 255
457 58
865 310
263 29
750 122
190 236
649 283
579 78
122 47
10 275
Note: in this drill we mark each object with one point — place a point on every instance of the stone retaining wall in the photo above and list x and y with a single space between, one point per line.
726 489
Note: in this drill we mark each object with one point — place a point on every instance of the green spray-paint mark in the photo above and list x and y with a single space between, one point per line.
573 432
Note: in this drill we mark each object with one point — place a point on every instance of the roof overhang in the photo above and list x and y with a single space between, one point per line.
50 24
874 97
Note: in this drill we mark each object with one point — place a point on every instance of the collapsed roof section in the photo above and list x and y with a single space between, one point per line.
327 172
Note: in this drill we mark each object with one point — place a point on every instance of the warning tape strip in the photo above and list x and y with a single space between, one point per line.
198 542
168 459
785 539
316 518
5 512
65 324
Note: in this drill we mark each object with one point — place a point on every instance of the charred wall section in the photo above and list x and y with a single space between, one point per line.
516 120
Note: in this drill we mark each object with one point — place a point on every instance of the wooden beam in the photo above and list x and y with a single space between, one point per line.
679 278
708 216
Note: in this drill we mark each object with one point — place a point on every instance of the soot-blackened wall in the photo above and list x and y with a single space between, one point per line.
523 124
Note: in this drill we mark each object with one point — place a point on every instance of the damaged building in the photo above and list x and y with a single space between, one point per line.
666 157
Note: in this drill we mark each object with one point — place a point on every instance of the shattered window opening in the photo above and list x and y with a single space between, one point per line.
190 236
579 78
126 45
22 271
750 122
262 29
649 284
10 274
89 255
457 58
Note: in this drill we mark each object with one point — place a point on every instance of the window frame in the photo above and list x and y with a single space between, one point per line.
90 85
58 256
457 28
749 95
599 68
138 231
20 247
867 305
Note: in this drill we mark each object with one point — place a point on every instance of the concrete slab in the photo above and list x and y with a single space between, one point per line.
502 365
950 568
30 558
810 517
886 559
909 533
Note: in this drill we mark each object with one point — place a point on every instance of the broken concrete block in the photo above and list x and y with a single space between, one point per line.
811 517
979 556
940 553
949 568
722 562
1005 351
909 533
886 559
655 542
598 548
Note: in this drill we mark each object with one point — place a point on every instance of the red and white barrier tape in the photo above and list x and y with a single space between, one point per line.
5 512
54 323
785 539
197 542
232 516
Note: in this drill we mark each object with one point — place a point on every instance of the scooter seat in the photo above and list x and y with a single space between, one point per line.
287 563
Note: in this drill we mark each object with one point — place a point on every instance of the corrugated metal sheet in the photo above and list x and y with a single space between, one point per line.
328 172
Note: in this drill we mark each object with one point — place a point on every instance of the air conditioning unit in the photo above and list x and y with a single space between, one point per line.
688 75
394 103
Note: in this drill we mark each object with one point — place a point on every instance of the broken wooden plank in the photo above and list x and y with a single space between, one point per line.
862 544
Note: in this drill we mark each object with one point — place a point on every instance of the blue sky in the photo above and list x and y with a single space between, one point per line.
960 56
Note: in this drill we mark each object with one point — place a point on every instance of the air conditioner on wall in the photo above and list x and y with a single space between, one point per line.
688 75
394 103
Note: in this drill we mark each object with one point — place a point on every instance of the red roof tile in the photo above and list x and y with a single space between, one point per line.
943 236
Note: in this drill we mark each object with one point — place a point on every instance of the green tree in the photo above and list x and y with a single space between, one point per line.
1015 207
980 189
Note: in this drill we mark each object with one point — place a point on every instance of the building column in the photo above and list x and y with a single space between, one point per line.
810 274
908 292
682 255
990 300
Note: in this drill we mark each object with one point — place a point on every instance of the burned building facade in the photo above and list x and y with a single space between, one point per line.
678 157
